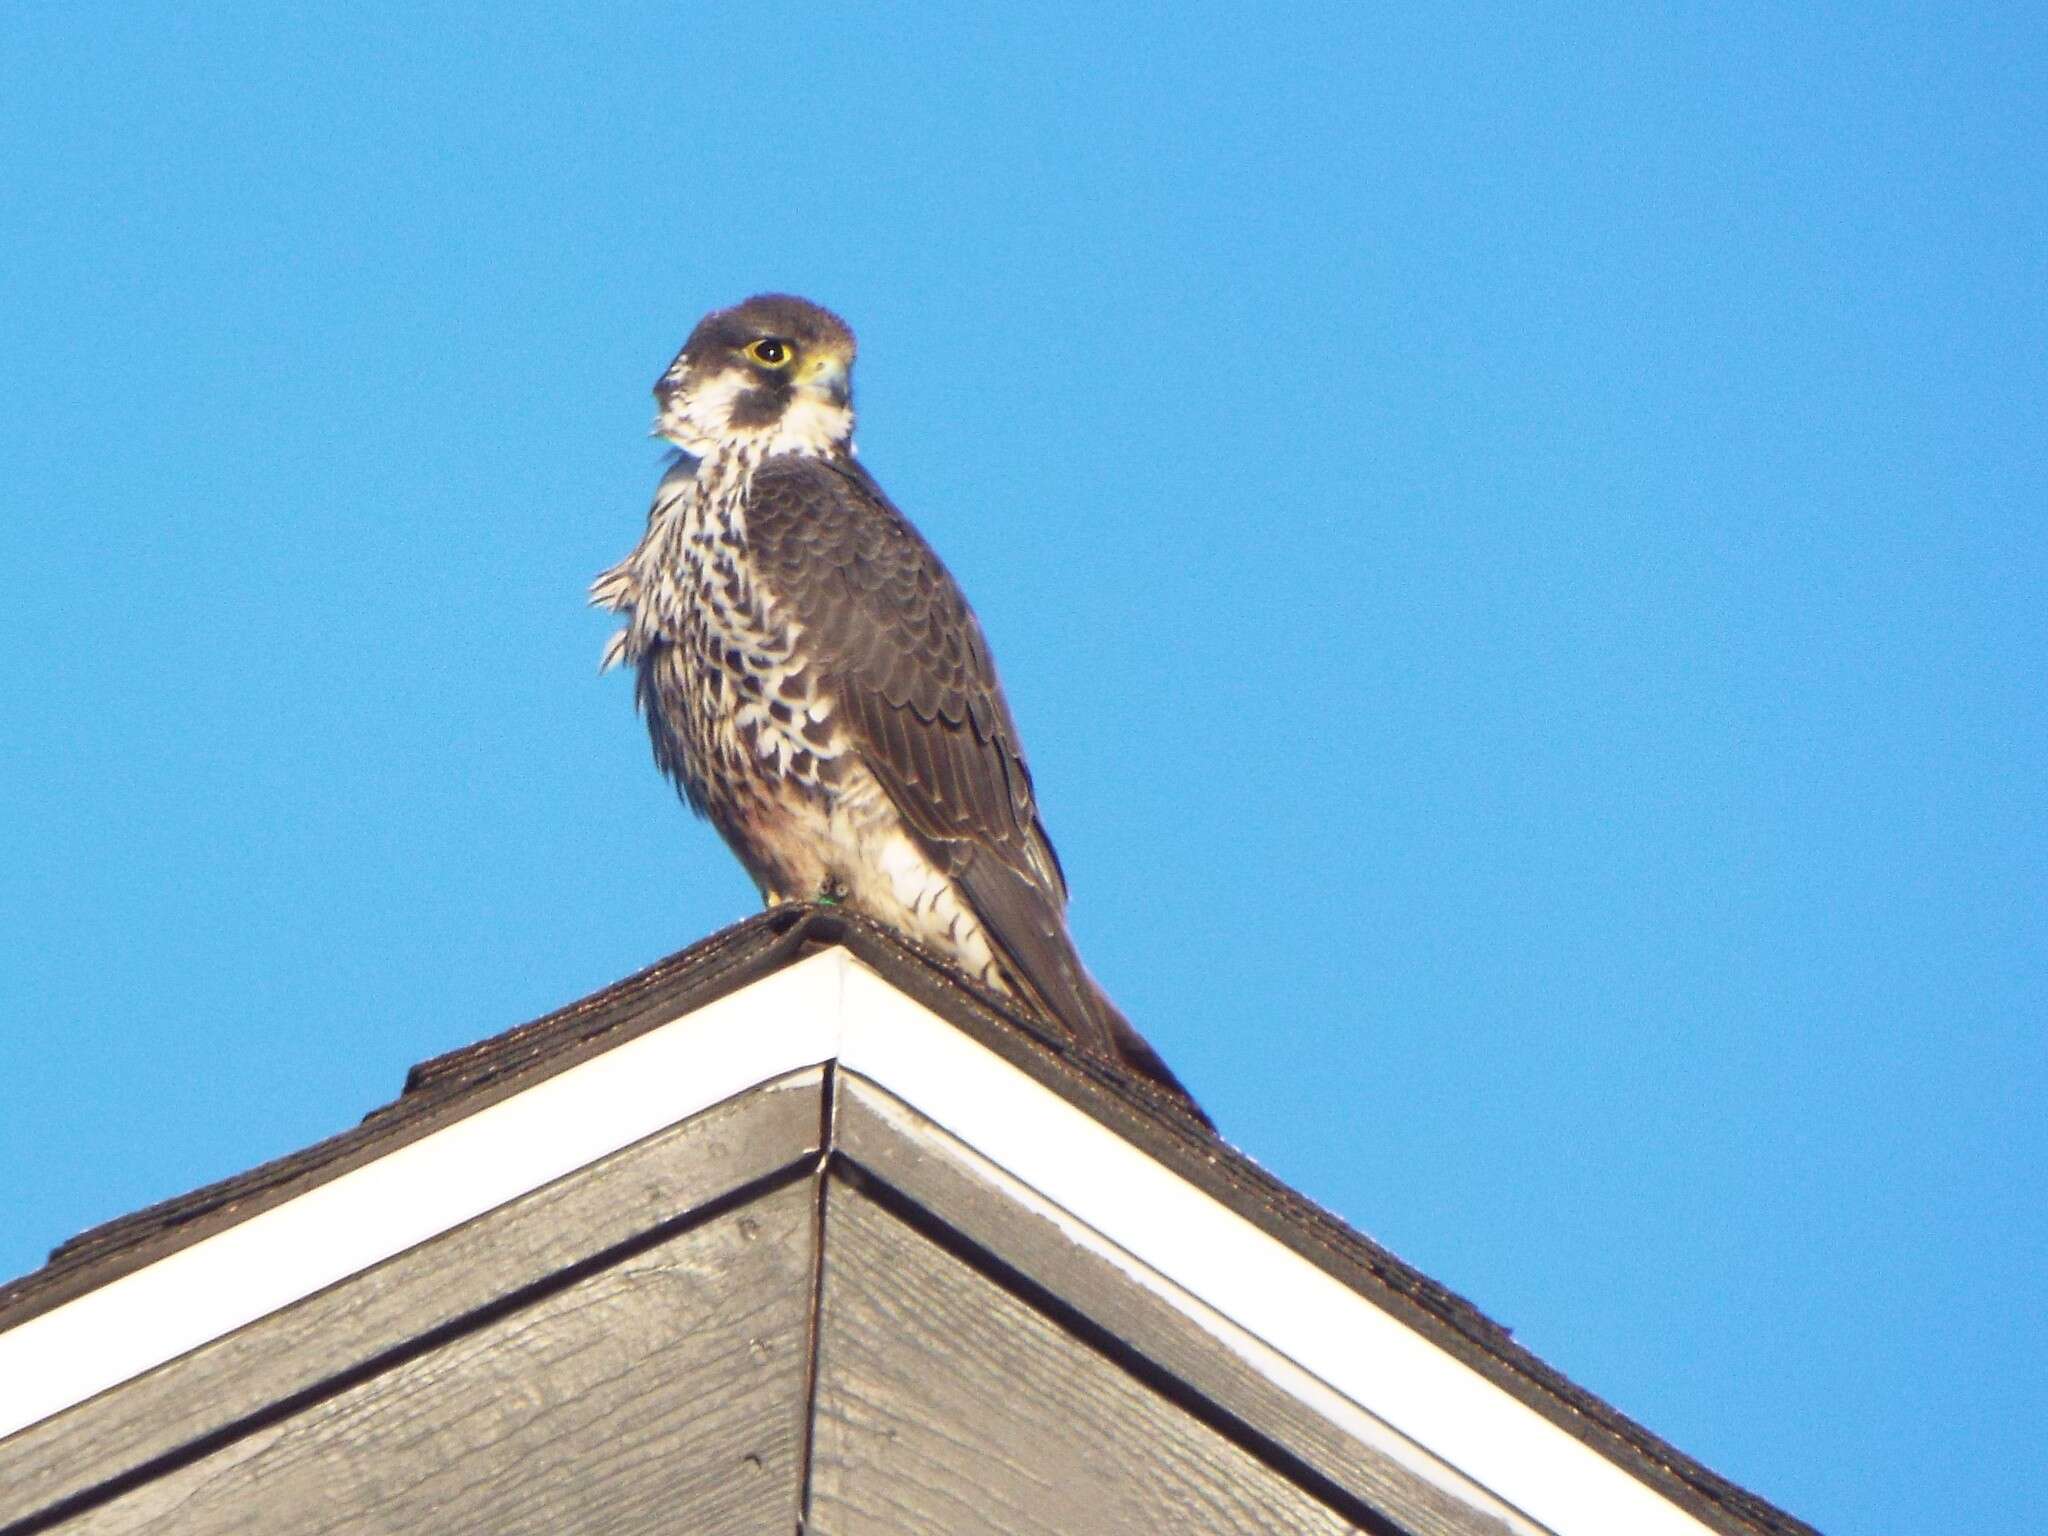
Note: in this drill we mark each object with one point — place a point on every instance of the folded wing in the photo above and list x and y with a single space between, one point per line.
906 659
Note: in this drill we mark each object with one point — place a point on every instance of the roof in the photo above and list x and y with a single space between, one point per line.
457 1088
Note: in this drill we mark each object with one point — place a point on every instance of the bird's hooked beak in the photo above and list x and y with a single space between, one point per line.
826 375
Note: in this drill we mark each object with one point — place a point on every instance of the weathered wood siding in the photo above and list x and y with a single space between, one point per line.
740 1325
1365 1467
221 1392
664 1393
947 1407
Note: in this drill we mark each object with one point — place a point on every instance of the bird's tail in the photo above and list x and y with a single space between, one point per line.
1051 976
1025 922
1136 1052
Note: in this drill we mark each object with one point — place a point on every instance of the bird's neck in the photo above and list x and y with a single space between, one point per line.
725 474
718 509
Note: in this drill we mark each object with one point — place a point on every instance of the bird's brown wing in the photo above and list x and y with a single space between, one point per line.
906 660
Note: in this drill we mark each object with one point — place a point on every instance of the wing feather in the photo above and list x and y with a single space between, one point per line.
907 661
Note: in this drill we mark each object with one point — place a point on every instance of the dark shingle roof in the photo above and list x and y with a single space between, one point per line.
449 1087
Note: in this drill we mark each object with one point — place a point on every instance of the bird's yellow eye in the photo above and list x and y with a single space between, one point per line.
770 352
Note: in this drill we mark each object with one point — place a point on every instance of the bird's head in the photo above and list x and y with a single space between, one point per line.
775 372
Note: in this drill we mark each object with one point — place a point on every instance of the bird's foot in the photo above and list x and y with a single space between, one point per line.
832 893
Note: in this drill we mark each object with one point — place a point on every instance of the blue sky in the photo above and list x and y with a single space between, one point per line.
1516 542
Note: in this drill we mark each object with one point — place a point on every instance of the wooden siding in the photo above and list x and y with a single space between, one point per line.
663 1393
899 1150
164 1418
948 1407
741 1324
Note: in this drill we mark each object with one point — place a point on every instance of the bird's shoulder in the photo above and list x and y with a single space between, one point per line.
863 581
813 508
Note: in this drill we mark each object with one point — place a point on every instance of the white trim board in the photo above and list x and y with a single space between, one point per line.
827 1007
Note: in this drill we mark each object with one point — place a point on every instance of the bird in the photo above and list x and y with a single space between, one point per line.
818 688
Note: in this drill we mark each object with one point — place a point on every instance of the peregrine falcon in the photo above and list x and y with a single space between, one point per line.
817 686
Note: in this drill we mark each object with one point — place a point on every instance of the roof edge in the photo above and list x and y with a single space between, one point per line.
459 1085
